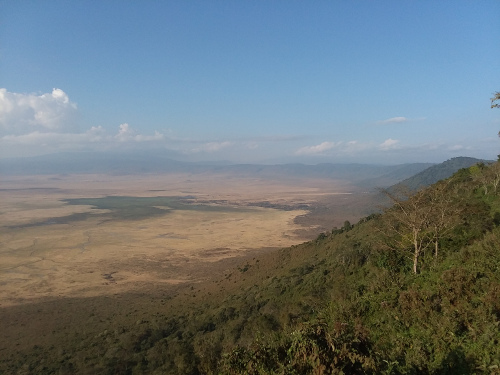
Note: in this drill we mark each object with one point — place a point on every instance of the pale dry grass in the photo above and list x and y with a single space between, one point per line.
101 256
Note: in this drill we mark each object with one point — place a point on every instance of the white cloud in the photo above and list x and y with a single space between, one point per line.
211 147
356 147
32 124
389 144
127 134
95 138
393 120
315 150
96 133
26 113
37 143
147 138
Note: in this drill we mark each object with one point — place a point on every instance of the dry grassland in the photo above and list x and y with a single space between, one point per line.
48 251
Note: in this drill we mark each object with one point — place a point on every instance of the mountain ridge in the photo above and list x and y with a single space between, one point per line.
366 175
438 172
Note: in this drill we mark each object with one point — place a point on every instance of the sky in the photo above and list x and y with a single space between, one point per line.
384 82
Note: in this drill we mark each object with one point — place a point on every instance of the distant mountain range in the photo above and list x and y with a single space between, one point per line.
363 175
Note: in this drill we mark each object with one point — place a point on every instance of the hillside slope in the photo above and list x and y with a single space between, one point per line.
438 172
348 302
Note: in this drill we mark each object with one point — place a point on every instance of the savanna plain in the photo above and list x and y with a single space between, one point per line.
80 247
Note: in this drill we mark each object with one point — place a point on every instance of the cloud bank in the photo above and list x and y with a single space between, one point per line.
36 124
348 148
25 113
127 134
33 124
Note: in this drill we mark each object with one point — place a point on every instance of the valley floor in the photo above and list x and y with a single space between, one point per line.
50 248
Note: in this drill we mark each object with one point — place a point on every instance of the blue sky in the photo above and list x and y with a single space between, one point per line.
252 81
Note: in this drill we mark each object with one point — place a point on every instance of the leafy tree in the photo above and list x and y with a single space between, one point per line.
496 98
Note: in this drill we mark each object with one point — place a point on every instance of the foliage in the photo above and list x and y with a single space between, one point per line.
444 320
496 98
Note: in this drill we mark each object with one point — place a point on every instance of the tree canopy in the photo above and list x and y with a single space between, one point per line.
496 98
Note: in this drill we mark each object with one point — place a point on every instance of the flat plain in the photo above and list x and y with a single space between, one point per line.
92 235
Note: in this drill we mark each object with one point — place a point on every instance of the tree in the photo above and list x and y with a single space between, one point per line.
478 174
409 220
347 226
495 168
444 214
495 98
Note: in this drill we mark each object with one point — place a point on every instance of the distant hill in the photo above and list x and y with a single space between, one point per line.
364 175
438 172
395 174
92 162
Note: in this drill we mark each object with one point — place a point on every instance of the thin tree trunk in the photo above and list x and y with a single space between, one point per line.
416 254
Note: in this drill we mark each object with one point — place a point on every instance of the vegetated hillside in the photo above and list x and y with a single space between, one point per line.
348 302
438 172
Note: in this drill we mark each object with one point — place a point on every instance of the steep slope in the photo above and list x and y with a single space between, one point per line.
438 172
380 317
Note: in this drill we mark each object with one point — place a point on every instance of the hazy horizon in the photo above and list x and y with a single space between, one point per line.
251 82
165 155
